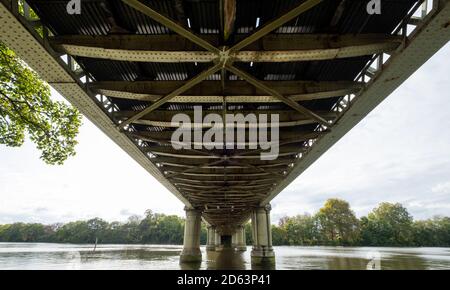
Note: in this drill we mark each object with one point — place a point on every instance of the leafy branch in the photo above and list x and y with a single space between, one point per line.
26 109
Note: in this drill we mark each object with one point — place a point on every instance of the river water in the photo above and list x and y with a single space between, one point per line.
69 256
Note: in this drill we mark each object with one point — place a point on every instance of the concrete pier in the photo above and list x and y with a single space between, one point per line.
218 240
191 246
240 242
262 252
211 238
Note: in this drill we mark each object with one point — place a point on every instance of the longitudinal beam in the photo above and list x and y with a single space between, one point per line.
287 118
164 56
174 42
194 168
221 182
190 156
287 134
153 90
230 99
157 123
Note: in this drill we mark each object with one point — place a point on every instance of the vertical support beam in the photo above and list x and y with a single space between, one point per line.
234 240
191 246
262 252
241 244
218 240
211 239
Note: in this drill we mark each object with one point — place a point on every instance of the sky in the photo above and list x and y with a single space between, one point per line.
399 153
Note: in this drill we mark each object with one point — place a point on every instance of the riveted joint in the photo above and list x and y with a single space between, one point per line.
225 56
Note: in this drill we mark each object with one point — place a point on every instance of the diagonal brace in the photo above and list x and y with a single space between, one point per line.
171 24
276 94
202 76
266 29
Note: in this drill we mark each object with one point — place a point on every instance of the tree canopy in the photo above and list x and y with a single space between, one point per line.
26 110
153 228
388 224
335 224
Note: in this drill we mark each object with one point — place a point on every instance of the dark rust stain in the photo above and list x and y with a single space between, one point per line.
391 79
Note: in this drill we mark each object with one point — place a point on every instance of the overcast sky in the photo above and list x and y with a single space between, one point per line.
399 153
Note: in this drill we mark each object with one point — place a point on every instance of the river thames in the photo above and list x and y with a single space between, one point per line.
159 257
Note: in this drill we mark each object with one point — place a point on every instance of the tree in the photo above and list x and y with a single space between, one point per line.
382 227
387 225
433 232
98 229
170 230
21 232
148 227
27 110
279 236
337 223
301 230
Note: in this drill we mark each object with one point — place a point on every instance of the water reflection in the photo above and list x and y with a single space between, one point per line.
337 258
190 266
225 259
57 256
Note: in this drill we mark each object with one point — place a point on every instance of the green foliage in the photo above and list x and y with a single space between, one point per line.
20 232
434 232
278 235
161 229
27 110
387 225
300 230
154 228
337 223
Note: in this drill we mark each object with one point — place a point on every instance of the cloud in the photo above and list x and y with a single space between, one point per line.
127 213
441 188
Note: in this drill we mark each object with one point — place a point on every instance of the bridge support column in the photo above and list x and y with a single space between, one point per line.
241 244
191 245
211 239
262 252
218 240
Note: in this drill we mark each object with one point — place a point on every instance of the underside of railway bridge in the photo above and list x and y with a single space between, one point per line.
130 66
